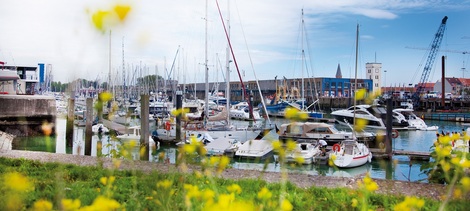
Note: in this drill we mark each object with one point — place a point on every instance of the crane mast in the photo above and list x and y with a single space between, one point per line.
434 48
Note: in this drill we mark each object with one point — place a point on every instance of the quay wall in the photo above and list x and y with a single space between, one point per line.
25 115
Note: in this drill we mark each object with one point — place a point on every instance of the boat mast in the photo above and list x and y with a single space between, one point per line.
355 80
302 64
206 106
227 63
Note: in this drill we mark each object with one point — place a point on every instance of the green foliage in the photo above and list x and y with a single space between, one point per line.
136 190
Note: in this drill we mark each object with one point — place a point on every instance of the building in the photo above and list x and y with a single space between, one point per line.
32 80
374 73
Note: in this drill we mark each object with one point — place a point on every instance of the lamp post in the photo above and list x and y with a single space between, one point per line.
385 82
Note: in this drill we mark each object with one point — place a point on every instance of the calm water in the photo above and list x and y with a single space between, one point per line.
400 168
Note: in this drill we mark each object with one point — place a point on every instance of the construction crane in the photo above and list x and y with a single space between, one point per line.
450 51
434 48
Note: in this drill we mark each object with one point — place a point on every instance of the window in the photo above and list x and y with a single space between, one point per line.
369 71
376 77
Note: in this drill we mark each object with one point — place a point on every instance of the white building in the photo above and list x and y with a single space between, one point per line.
374 72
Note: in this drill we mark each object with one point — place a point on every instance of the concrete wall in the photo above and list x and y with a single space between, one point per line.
23 115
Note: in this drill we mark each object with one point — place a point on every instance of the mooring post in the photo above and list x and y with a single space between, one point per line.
179 105
144 126
69 126
89 121
388 124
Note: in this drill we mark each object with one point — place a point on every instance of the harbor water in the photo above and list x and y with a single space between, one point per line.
399 168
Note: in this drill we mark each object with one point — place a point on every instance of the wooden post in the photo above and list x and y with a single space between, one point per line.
89 121
443 101
179 105
144 126
388 124
69 126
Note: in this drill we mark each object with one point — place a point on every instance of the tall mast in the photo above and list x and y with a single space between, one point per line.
206 106
303 58
123 70
227 63
355 78
109 74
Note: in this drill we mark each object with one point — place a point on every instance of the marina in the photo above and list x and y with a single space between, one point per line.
401 167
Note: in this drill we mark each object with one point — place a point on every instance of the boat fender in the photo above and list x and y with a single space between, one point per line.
167 125
394 133
336 147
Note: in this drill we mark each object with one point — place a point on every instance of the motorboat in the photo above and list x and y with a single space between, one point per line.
99 129
134 134
241 111
305 150
372 114
318 130
413 121
350 153
255 149
222 146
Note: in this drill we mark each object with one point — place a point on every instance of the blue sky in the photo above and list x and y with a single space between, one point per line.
264 34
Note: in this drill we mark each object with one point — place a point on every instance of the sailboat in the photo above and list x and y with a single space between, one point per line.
221 127
351 153
294 97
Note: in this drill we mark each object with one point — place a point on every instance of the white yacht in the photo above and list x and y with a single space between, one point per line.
314 131
373 114
414 121
241 111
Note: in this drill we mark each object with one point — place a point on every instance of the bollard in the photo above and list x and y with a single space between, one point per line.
179 105
144 126
69 126
89 121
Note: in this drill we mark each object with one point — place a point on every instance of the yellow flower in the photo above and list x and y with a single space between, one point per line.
410 203
465 181
105 96
360 124
224 161
372 186
457 193
104 180
276 145
299 159
290 113
69 204
189 148
42 205
104 203
291 145
354 202
17 182
234 188
225 200
47 128
165 184
98 19
360 94
122 11
264 194
192 191
286 205
208 195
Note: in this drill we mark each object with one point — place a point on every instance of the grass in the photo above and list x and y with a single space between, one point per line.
135 190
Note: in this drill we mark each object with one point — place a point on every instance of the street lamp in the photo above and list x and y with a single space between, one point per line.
385 83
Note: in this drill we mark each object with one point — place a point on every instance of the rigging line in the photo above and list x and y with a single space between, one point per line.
235 61
314 91
254 73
